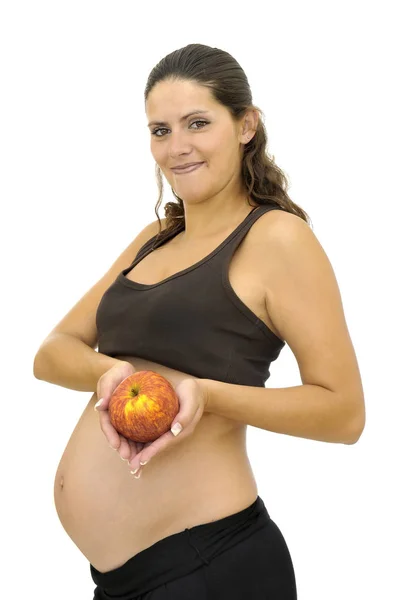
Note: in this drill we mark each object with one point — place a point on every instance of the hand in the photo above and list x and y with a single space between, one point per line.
106 385
192 396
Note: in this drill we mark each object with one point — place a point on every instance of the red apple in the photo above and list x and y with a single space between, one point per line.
143 406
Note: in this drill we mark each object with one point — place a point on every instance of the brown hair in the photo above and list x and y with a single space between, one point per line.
224 77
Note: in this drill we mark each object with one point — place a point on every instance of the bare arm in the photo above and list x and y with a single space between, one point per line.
67 361
68 355
305 305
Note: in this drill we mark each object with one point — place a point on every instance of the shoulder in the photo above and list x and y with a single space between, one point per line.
153 227
284 237
299 286
163 223
288 251
280 226
150 232
304 303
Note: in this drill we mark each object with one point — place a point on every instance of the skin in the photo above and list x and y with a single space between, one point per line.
215 203
295 293
214 195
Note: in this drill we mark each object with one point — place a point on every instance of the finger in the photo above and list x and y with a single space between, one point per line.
102 403
188 417
140 446
152 449
124 448
163 442
112 436
133 449
186 392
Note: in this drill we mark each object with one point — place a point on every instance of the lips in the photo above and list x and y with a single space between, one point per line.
193 167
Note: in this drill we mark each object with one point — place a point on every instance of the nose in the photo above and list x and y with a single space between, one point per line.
178 144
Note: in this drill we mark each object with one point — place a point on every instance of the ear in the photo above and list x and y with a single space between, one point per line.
248 126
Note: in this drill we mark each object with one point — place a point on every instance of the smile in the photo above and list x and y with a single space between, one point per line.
187 170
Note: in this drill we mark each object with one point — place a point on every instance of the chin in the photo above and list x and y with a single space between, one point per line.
196 197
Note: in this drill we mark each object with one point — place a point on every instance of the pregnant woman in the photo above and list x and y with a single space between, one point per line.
207 297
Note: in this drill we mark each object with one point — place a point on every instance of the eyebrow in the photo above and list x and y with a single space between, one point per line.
194 112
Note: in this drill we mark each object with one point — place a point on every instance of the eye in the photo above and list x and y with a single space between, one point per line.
154 132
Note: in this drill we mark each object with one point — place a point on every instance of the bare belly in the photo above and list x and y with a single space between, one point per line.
111 516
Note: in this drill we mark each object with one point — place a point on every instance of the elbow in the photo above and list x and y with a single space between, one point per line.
36 366
354 436
39 360
356 428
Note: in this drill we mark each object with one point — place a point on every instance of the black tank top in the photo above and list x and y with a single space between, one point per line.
191 321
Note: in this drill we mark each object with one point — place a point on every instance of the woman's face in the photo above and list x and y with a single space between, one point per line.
211 137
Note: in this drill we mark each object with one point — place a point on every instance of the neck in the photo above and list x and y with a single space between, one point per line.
208 219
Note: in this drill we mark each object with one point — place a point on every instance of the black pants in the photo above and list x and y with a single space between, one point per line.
241 557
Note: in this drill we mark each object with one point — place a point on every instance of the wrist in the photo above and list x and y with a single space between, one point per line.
205 387
105 363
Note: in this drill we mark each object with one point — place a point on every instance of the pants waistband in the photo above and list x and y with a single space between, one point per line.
179 554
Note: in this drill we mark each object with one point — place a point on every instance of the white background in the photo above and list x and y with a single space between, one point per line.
77 184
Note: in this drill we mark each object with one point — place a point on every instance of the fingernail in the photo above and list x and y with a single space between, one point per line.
138 476
135 471
98 404
176 429
112 447
145 462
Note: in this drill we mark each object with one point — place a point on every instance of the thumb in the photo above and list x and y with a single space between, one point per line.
99 405
105 390
109 381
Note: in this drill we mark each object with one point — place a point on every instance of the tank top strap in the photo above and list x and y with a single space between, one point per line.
151 244
143 249
244 227
226 248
